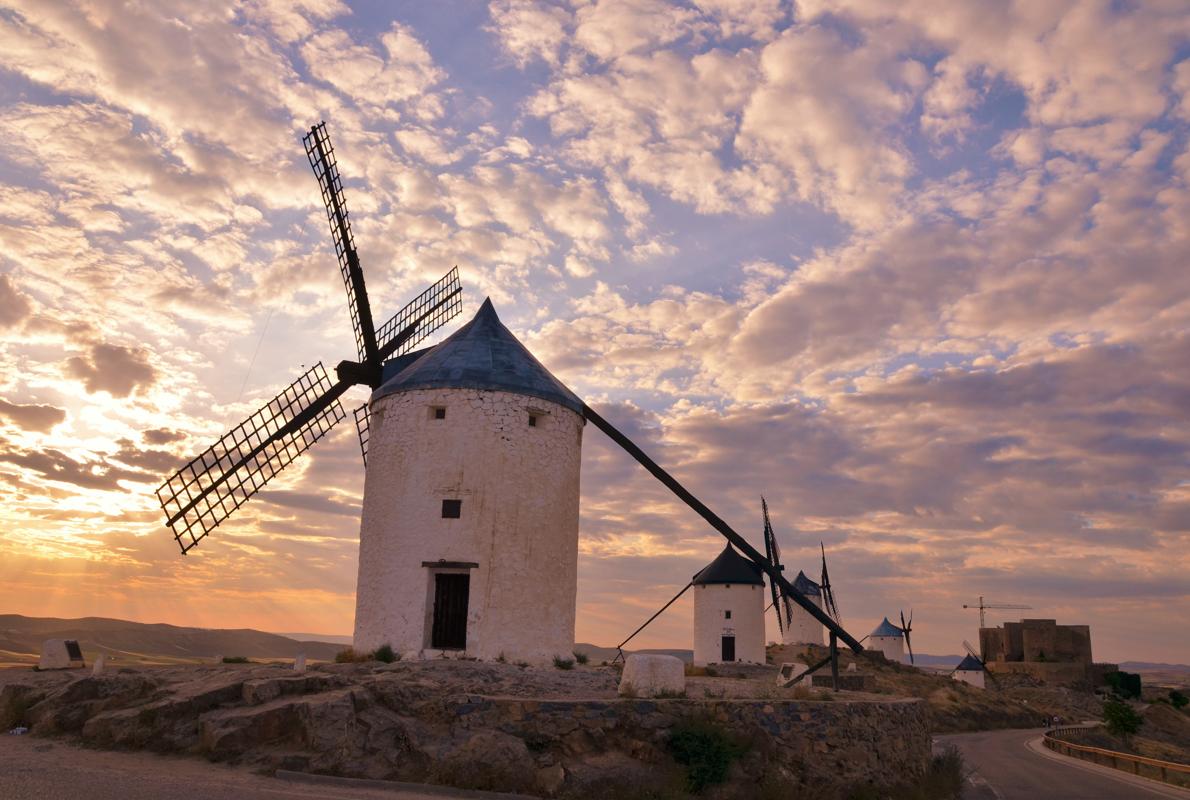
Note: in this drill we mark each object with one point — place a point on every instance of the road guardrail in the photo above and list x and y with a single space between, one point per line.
1057 739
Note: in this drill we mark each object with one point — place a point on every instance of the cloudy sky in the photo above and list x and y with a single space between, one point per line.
917 275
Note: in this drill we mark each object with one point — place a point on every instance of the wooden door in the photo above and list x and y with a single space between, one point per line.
451 594
728 648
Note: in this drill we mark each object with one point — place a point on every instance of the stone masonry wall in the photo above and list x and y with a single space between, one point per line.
392 723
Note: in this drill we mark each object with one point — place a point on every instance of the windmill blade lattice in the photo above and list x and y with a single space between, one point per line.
202 494
425 314
326 170
363 420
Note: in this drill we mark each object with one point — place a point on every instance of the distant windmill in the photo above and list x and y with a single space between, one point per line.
905 628
973 660
983 607
201 495
440 569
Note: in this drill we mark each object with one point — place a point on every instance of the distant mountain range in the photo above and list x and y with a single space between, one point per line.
1151 666
21 639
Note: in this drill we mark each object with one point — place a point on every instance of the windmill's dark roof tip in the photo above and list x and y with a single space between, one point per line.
806 586
969 663
729 567
483 354
886 628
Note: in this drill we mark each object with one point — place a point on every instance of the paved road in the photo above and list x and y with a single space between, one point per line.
1006 767
32 768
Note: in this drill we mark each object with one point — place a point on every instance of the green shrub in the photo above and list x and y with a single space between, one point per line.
581 658
1125 684
348 656
1120 718
236 660
1178 699
563 663
705 750
385 653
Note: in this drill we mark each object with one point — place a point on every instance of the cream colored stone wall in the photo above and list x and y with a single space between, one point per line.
893 647
746 603
803 628
519 487
973 677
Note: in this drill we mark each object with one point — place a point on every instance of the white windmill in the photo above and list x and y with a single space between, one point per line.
469 531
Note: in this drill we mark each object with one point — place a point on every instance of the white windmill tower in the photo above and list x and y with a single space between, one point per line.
889 640
802 628
728 611
469 536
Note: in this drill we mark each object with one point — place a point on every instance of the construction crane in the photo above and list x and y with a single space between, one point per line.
983 607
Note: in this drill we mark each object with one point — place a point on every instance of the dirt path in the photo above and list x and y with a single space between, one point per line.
32 768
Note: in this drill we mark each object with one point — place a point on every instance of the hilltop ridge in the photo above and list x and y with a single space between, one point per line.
147 643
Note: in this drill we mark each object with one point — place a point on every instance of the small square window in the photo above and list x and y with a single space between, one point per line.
532 420
726 615
452 509
439 412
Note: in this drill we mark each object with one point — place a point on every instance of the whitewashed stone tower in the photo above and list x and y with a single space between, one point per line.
970 671
888 639
803 628
469 532
728 611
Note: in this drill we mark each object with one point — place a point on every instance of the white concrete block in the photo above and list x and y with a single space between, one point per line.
56 654
652 675
789 671
299 663
97 667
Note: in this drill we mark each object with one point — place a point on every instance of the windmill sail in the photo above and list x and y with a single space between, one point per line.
363 419
425 314
202 494
828 593
326 170
906 627
772 553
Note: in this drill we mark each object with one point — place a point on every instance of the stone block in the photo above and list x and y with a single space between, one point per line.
299 663
848 681
789 672
653 675
97 667
60 654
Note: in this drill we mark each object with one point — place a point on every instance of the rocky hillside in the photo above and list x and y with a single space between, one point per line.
956 707
136 642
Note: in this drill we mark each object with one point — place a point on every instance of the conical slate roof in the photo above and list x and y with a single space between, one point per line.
886 628
483 354
970 663
806 586
729 567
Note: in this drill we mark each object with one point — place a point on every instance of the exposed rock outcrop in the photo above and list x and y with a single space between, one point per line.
411 721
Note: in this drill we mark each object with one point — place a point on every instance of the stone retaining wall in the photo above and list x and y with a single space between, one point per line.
386 725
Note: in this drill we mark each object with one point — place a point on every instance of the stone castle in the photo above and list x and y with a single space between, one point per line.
1043 649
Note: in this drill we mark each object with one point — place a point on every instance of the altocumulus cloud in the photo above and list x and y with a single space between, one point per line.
914 271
